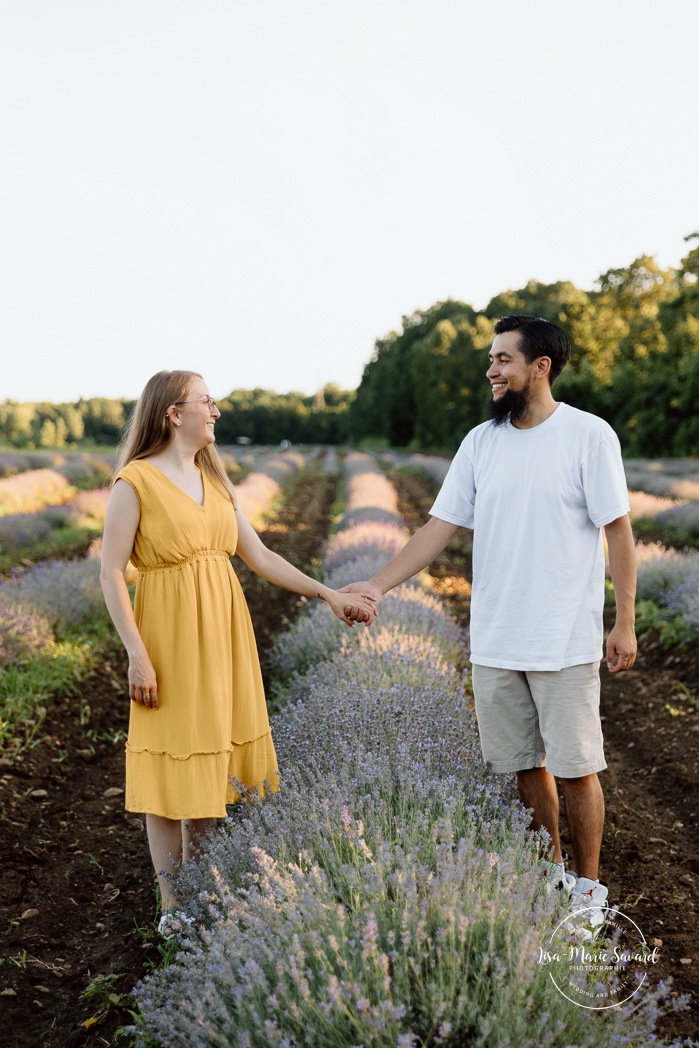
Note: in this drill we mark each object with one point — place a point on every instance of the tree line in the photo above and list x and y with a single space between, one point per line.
258 416
635 362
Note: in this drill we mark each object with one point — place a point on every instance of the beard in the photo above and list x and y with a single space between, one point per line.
510 407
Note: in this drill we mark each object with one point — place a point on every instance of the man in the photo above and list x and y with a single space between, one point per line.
537 484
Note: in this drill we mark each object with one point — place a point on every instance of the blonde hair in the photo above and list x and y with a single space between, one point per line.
148 431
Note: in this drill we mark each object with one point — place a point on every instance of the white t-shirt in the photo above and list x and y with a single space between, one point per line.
537 500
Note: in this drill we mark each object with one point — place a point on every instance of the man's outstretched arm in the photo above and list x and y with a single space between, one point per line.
421 550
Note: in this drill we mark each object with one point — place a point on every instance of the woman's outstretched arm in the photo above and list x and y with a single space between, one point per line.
264 562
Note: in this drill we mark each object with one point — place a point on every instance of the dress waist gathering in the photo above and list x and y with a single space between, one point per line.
177 565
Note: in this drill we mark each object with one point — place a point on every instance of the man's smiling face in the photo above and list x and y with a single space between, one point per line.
510 375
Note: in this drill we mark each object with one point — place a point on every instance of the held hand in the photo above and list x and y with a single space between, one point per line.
370 591
621 649
143 684
361 609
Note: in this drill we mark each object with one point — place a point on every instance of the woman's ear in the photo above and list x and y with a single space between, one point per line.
173 415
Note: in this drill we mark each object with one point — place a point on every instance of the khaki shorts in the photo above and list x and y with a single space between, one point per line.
540 718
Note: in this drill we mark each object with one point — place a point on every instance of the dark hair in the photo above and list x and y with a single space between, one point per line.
538 338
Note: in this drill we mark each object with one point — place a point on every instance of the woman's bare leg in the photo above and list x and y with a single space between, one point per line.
165 843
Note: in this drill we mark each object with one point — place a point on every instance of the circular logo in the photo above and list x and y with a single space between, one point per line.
597 958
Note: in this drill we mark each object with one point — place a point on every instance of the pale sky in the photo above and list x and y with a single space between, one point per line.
258 191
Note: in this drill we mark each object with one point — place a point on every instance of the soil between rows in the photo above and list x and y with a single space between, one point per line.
81 861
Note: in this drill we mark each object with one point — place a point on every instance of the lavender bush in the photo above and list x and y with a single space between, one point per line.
21 530
376 542
679 518
259 489
434 466
12 462
668 592
32 490
369 496
87 471
90 506
682 519
674 467
84 510
241 458
24 632
677 478
317 637
66 592
647 507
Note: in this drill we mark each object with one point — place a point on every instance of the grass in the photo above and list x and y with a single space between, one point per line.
27 690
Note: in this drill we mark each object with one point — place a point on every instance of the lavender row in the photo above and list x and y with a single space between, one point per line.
74 465
674 478
21 531
258 491
42 603
435 466
390 895
668 592
34 489
664 492
681 518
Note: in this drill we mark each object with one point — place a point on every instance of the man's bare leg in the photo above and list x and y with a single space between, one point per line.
585 814
537 790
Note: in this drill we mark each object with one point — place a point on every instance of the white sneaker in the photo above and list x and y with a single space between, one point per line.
588 909
557 877
173 923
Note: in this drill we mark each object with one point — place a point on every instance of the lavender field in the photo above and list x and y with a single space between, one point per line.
391 894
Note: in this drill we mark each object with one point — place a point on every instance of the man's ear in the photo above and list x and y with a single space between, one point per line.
542 366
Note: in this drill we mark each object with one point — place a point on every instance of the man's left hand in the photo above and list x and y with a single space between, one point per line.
621 649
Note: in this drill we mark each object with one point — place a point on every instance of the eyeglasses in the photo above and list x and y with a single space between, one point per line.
210 402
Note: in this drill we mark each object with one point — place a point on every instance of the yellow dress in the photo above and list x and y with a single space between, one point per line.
211 722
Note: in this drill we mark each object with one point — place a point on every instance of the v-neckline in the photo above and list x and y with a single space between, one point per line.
199 505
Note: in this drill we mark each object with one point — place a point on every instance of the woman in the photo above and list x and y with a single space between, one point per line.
198 713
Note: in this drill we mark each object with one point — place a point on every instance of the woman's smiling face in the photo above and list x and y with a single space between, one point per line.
197 414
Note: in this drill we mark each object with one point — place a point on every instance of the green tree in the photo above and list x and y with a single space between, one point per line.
17 424
386 401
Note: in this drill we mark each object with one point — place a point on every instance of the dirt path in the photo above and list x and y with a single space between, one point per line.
650 715
76 888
